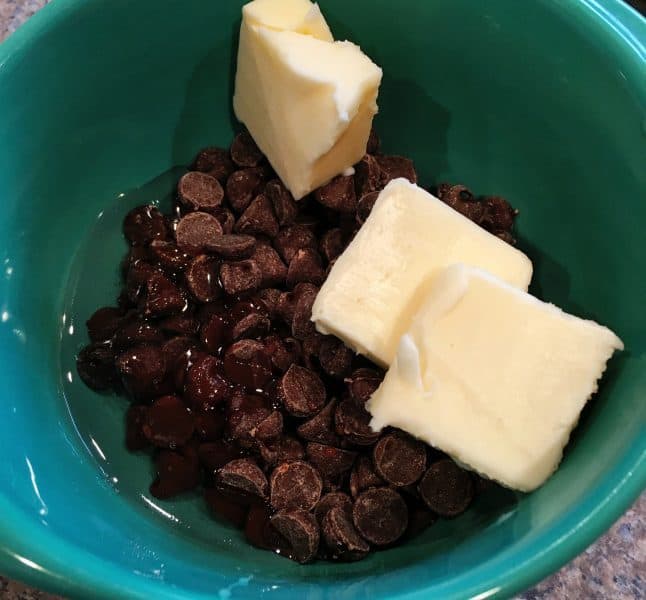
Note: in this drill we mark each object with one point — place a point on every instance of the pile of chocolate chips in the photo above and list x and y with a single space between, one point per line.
233 390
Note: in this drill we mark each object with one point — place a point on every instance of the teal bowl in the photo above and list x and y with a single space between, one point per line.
101 101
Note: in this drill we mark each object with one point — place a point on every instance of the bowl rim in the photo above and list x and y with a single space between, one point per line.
66 569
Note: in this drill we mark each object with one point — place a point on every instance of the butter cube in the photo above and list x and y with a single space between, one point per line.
307 101
377 284
493 377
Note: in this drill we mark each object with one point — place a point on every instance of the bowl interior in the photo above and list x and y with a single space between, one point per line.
101 106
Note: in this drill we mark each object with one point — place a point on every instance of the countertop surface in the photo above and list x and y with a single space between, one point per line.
614 567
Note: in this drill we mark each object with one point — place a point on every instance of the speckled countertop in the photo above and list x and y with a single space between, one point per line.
614 567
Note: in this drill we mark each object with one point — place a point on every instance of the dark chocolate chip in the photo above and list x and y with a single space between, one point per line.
283 352
367 176
295 485
215 162
246 413
269 428
335 357
333 500
183 324
168 423
305 267
169 256
205 385
302 324
103 323
301 392
352 421
332 243
246 363
460 198
365 206
162 297
320 428
301 532
272 268
243 475
341 536
136 278
135 332
499 215
243 186
214 455
144 224
364 476
330 461
363 383
215 333
338 194
176 473
506 237
200 191
95 366
446 488
203 278
226 218
380 515
258 218
269 298
209 426
143 371
374 143
284 449
285 207
196 231
393 167
292 239
223 506
252 326
240 277
135 438
233 245
399 458
288 301
244 151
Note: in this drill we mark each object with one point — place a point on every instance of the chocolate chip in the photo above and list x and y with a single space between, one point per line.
364 476
374 143
301 392
144 224
302 324
352 421
214 455
399 459
320 428
332 243
233 245
285 207
252 326
196 231
269 428
142 370
162 297
284 449
367 176
226 219
295 485
222 505
380 515
282 352
203 278
258 218
393 167
135 332
305 267
176 473
288 302
135 438
272 268
243 475
169 256
499 215
300 530
246 413
215 333
419 519
506 237
338 194
460 198
205 385
333 500
365 206
246 363
258 530
200 191
240 277
168 423
341 536
311 345
136 278
243 186
103 323
330 461
176 349
335 357
215 162
363 383
292 239
244 151
95 366
446 488
268 297
179 325
209 426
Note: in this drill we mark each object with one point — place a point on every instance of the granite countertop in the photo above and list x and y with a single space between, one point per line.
614 567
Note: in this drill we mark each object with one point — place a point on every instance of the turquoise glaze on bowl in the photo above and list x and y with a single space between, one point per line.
543 102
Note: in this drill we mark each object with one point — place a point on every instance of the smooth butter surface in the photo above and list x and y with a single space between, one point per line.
307 101
377 284
493 376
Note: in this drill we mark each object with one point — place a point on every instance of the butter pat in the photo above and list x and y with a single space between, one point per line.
493 377
307 101
377 284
